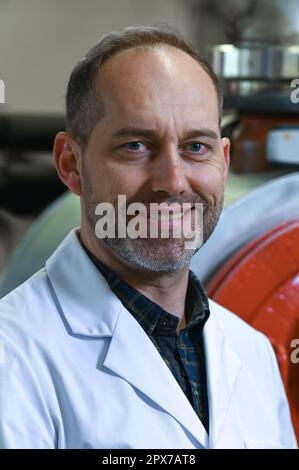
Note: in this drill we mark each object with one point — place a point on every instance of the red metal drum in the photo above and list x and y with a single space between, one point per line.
260 283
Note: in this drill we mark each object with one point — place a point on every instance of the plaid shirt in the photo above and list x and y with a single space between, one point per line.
183 352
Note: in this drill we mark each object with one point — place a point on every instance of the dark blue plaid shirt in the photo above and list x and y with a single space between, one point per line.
183 352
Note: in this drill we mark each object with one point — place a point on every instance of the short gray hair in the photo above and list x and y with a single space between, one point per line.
83 107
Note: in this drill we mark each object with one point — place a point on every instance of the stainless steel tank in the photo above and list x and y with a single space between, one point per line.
263 49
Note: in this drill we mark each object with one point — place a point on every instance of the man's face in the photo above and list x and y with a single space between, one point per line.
159 141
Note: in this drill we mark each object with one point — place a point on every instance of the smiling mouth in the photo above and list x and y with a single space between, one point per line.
165 214
169 218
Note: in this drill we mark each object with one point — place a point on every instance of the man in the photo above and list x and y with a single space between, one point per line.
115 344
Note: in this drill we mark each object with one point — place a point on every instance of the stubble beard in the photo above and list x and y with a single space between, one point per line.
152 254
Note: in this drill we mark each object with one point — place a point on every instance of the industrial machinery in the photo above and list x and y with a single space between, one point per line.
259 70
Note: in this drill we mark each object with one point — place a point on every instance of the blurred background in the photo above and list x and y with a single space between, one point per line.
40 42
251 263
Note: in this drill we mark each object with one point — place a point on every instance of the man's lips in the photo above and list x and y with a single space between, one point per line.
169 218
169 213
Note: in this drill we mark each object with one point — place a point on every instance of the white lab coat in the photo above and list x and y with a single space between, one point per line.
78 371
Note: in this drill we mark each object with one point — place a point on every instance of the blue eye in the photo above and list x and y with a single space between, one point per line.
195 147
134 145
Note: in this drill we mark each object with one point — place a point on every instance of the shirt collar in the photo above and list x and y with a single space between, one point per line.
147 312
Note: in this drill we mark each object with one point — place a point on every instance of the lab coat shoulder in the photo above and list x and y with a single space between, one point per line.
26 322
28 315
26 308
259 363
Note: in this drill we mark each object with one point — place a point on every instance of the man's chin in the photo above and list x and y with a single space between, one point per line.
154 255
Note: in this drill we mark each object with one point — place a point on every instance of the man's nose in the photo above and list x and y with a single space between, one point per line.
168 173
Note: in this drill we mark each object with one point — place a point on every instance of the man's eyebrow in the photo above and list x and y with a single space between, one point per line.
136 131
201 133
143 132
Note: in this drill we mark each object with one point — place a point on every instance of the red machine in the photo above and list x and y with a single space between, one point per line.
260 283
253 260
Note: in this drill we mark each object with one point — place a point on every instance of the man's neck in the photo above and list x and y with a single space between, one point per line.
166 289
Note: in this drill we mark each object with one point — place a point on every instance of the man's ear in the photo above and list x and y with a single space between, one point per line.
67 157
226 151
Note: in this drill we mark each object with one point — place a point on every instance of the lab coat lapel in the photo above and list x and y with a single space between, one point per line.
86 301
223 367
133 357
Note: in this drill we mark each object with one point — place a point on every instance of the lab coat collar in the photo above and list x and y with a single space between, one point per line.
85 299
